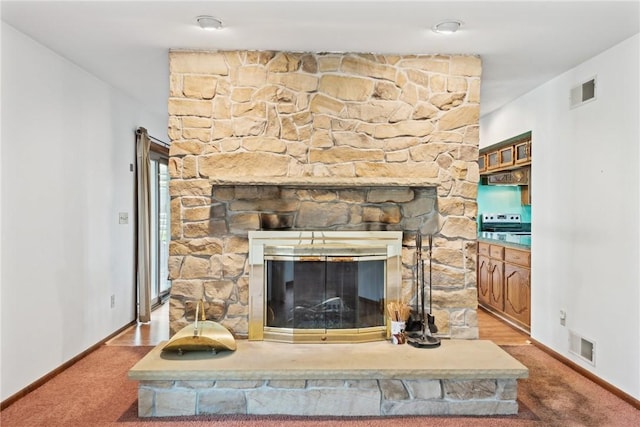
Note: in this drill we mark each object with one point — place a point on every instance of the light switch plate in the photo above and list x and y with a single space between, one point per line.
123 217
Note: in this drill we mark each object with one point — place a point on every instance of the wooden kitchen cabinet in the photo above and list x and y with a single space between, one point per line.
496 285
525 194
483 279
493 160
482 163
496 252
490 272
517 294
522 152
517 286
504 282
506 155
518 257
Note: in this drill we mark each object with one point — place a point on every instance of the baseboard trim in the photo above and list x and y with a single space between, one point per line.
47 377
582 371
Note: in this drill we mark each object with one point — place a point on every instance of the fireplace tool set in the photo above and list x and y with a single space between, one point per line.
421 325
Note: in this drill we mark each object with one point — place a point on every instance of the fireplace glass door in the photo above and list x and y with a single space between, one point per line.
318 293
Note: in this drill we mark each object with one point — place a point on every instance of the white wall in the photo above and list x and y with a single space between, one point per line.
67 143
585 209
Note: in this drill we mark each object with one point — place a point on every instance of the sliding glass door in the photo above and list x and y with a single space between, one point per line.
160 227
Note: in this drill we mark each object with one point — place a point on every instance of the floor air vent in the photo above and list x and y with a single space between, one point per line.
582 347
583 93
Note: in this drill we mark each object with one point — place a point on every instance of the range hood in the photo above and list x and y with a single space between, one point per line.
512 177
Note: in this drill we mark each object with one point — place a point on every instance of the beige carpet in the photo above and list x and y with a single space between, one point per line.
96 392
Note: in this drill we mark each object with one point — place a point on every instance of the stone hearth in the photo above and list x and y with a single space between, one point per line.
461 377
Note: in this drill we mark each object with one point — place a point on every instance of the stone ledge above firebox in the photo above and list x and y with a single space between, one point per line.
325 181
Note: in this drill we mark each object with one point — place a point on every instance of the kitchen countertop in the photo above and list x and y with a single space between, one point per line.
515 240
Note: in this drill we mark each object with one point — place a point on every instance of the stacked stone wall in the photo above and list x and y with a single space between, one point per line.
355 117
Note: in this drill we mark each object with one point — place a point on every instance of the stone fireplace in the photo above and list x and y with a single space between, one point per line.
321 142
316 148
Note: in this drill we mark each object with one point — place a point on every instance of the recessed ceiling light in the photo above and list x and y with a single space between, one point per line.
447 27
207 22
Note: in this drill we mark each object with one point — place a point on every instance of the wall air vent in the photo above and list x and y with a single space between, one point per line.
582 347
583 93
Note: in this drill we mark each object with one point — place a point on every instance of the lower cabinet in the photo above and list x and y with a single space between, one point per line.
517 294
504 282
496 287
484 283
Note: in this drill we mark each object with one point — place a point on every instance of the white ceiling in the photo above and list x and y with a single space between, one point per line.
522 43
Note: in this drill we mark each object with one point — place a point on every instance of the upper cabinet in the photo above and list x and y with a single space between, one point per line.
522 152
506 156
510 154
482 163
493 160
508 163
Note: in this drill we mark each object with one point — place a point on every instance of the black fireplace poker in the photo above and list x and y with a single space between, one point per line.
423 338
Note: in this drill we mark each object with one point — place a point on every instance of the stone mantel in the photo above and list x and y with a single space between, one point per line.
324 182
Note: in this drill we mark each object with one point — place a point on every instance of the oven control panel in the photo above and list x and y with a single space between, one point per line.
501 218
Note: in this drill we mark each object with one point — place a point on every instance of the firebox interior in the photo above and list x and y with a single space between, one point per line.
325 292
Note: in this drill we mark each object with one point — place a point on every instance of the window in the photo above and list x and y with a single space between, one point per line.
160 227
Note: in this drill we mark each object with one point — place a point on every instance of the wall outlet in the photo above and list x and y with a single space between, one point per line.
113 301
123 218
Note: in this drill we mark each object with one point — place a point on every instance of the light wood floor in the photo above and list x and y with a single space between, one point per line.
490 328
151 333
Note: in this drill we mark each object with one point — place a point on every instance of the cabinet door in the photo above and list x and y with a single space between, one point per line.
525 195
493 160
483 279
496 291
482 163
522 152
506 156
517 293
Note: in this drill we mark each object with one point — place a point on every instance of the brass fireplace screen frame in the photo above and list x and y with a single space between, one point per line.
385 245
